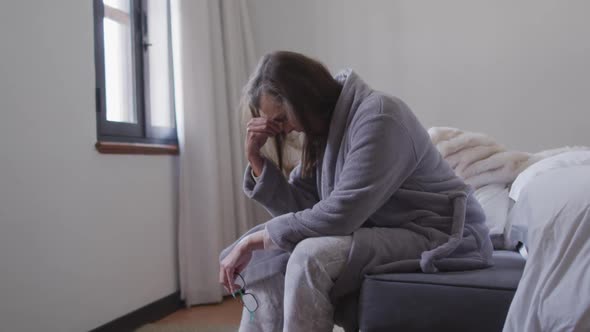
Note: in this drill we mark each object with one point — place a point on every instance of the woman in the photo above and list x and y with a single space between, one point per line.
370 195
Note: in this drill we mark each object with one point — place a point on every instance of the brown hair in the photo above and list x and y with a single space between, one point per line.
307 90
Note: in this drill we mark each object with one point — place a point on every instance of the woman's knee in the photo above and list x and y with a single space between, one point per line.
308 247
318 252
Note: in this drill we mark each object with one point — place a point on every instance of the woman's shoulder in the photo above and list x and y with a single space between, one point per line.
395 113
379 104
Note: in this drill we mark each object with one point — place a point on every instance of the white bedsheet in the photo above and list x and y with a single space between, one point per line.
554 292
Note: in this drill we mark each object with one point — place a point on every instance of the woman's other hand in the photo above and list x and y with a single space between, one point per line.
258 131
238 259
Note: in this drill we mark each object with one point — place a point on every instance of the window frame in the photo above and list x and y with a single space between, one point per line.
142 131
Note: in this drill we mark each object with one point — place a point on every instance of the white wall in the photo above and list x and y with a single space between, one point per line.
84 237
517 70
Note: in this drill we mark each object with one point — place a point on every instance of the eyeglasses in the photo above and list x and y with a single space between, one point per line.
248 300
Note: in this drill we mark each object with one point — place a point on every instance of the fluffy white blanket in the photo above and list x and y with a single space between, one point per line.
480 160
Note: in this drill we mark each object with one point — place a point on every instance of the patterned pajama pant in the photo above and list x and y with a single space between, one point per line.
299 301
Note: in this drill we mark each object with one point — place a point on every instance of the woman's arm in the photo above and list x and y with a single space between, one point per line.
381 158
271 189
277 194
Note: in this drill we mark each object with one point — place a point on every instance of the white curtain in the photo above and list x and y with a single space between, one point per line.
213 56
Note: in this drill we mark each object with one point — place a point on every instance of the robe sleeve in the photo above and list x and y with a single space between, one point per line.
279 195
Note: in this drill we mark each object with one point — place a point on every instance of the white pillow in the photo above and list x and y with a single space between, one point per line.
562 160
495 203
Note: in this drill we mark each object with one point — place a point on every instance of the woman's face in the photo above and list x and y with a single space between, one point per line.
276 111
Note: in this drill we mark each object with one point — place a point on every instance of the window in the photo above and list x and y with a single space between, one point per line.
134 82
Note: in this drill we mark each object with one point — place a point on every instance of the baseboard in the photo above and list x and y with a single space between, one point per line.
144 315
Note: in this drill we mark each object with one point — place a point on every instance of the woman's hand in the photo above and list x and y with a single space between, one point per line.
238 259
258 131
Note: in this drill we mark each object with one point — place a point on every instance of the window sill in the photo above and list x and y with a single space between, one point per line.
136 148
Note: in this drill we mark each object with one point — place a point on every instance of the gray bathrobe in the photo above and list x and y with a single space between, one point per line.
379 171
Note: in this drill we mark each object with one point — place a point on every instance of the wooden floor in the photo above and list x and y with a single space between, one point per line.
227 312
